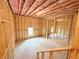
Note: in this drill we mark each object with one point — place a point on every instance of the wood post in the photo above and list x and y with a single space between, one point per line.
47 29
54 26
50 55
75 41
37 55
42 55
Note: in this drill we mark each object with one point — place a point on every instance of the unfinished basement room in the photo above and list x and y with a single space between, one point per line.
39 29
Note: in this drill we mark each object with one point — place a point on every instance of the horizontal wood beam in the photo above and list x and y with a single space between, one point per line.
53 6
57 49
27 5
36 4
21 3
60 12
62 8
44 5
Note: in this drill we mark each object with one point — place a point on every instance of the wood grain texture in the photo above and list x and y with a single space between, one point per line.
7 35
51 51
75 40
43 8
22 25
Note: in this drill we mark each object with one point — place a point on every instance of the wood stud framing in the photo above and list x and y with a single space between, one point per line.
52 51
6 31
43 8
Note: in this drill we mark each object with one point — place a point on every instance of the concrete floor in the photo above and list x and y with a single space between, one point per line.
27 49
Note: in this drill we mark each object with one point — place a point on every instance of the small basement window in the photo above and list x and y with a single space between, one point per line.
30 31
52 29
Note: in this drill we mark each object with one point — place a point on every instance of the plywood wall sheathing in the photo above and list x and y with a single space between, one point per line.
7 34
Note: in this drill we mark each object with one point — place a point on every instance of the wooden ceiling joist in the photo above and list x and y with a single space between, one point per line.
56 7
21 3
61 9
51 6
62 12
14 5
27 5
36 4
43 6
70 11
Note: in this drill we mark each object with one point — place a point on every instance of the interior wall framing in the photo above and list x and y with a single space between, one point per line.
7 32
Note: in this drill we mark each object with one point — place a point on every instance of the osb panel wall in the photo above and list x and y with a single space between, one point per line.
66 26
7 35
63 26
22 23
75 40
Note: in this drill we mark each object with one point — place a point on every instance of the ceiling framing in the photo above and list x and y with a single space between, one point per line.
43 8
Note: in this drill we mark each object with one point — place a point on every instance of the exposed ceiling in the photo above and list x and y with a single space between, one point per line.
43 8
